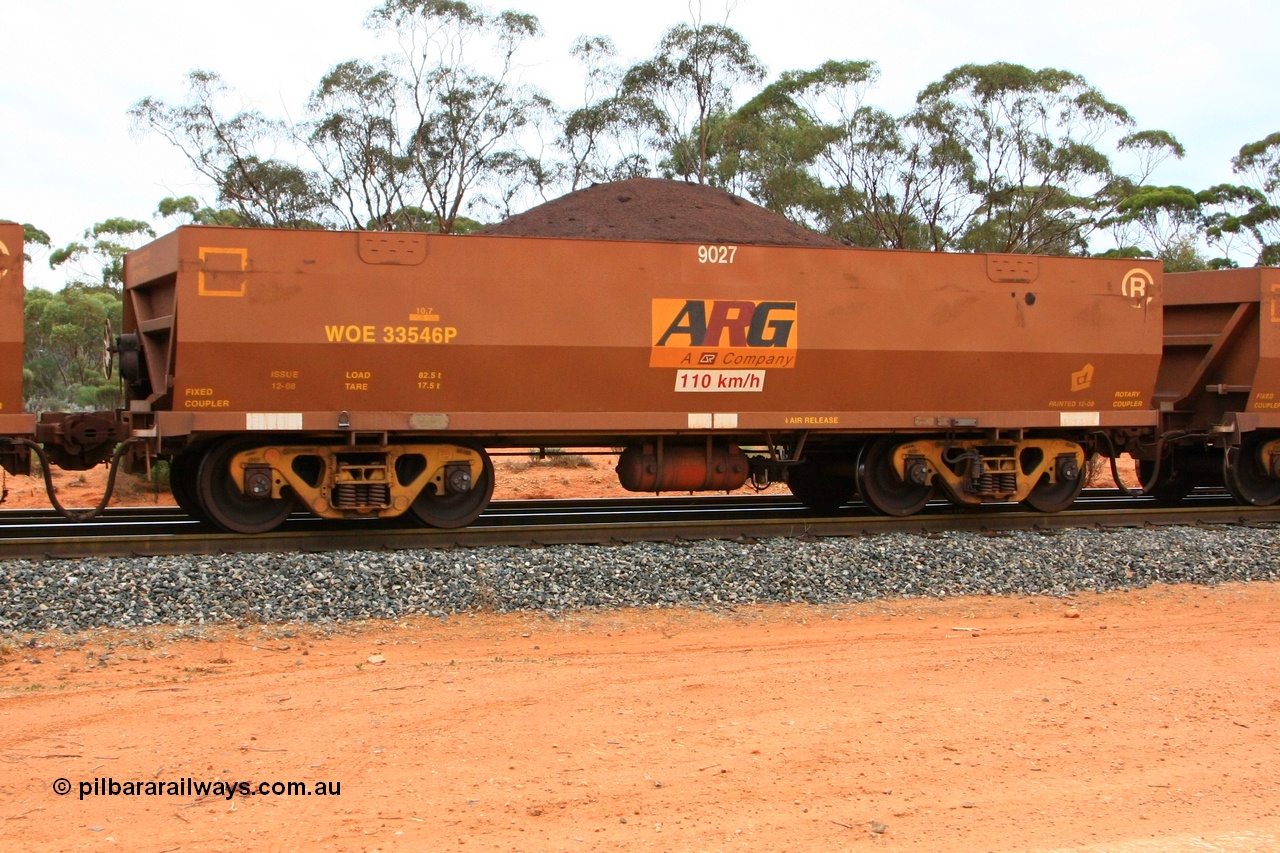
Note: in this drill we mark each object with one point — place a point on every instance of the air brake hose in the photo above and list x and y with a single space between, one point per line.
78 514
1115 472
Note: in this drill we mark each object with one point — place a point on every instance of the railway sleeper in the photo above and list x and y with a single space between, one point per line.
1045 472
358 482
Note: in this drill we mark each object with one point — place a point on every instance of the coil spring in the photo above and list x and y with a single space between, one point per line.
995 483
356 495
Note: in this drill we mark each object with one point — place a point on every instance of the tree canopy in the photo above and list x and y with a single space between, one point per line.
443 131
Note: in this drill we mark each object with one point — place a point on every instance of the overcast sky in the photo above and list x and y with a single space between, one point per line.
1208 72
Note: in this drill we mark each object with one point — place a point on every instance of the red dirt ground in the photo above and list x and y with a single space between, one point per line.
1143 721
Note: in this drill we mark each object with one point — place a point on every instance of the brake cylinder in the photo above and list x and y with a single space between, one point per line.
682 468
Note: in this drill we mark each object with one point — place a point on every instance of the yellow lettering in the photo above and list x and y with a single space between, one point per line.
811 420
349 334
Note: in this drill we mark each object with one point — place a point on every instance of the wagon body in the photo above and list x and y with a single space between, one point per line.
524 338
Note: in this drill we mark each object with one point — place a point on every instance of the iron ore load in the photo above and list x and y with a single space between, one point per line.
368 374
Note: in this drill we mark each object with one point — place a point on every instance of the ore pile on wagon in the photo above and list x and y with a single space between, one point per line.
368 374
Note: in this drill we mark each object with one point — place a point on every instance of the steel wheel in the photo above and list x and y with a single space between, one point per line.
1248 480
458 510
225 505
1055 497
819 486
184 472
881 487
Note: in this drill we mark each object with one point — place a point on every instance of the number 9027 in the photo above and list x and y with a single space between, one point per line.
716 254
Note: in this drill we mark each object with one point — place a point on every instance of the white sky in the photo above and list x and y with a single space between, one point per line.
1208 72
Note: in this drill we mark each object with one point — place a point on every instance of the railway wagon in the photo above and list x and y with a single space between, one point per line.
1218 392
15 424
365 374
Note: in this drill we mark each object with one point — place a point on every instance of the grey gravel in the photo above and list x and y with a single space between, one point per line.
74 595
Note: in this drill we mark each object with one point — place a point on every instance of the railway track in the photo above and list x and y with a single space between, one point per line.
139 531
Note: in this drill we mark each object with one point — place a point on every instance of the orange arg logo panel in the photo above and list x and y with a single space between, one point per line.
724 333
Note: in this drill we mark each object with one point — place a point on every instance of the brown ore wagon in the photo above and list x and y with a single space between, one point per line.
365 374
1219 387
14 423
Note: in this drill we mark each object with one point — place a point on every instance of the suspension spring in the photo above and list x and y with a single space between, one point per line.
357 495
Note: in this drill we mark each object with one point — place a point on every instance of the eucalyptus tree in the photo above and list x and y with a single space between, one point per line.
1245 217
97 260
689 84
428 129
460 126
229 150
811 147
1164 222
604 139
64 347
188 210
355 135
33 236
64 330
1030 147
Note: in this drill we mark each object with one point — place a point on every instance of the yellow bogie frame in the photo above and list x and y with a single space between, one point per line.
975 471
353 481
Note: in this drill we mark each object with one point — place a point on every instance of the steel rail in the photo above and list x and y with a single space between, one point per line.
166 531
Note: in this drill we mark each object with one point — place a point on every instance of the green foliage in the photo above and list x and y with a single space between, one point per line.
159 476
604 139
688 82
190 209
1183 255
1163 221
812 149
64 336
417 219
1025 170
98 261
455 129
358 142
33 236
224 150
1246 216
993 157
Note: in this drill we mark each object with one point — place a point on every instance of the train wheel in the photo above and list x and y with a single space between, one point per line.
882 488
225 505
817 485
1055 497
458 510
1248 480
184 472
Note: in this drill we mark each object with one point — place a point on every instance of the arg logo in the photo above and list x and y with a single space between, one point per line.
723 333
